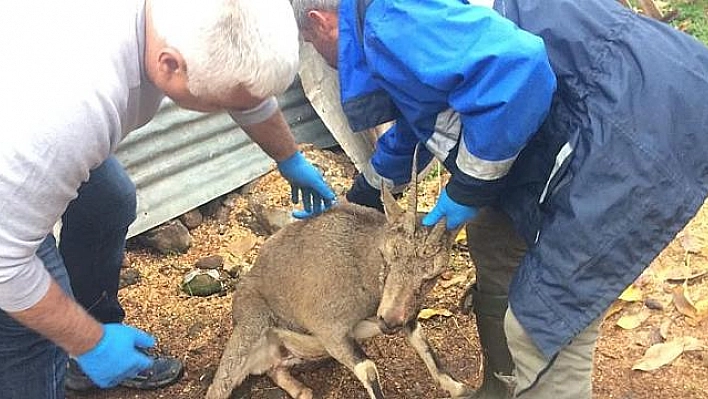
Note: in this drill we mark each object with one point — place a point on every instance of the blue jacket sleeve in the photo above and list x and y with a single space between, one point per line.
439 54
394 154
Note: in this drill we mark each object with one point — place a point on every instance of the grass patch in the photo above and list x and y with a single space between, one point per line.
692 17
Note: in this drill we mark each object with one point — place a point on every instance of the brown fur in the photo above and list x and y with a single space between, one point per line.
321 285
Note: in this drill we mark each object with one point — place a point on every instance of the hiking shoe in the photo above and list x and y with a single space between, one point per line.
164 371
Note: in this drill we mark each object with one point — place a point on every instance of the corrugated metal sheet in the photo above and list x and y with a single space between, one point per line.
183 159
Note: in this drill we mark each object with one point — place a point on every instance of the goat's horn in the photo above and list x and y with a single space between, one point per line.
391 208
413 195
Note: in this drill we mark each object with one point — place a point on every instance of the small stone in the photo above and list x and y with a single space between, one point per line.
170 238
268 218
211 208
128 277
202 283
222 214
192 219
231 199
653 304
210 262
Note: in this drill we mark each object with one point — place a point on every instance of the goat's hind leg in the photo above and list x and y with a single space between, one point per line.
417 340
249 350
348 352
302 346
296 389
233 366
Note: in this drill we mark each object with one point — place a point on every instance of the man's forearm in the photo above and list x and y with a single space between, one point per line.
273 136
63 321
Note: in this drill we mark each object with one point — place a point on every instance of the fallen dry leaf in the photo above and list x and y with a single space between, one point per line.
683 302
427 313
690 243
461 236
664 353
702 308
632 294
651 9
615 308
634 320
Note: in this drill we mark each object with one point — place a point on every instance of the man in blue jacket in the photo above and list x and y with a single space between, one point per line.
575 135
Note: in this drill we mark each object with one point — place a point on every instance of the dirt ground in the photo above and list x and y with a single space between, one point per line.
195 329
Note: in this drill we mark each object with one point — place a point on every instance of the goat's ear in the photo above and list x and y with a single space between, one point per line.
393 211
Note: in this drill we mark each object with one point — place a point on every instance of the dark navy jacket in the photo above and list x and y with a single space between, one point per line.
616 169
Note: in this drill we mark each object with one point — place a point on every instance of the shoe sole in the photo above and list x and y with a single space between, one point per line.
146 385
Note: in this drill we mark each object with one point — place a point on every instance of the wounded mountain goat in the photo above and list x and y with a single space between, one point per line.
321 285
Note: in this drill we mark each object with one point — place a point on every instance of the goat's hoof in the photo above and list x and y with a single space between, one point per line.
462 392
305 393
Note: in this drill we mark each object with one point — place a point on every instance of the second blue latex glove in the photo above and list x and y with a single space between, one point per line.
307 184
116 356
455 214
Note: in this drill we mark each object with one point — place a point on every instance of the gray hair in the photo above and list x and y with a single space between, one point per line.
226 43
301 8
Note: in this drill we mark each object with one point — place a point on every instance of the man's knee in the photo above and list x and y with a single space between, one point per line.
567 375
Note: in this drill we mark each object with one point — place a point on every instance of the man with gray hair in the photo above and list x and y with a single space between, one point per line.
575 136
97 71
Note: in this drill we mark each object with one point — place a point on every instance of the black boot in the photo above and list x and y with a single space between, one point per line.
489 311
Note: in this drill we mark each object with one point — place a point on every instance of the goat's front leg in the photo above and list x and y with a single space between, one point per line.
348 352
417 340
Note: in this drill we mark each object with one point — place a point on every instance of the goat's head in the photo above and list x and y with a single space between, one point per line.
415 257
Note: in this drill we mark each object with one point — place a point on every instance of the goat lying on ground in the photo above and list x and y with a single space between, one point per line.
321 285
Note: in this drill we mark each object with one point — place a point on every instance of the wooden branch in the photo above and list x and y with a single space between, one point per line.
650 9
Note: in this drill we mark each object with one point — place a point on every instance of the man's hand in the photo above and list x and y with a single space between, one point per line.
307 184
455 214
116 356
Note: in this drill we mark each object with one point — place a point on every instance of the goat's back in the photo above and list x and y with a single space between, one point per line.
324 272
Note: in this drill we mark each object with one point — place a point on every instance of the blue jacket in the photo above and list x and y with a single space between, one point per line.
598 175
439 83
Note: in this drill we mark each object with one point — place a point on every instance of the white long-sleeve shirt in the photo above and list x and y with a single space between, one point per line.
72 85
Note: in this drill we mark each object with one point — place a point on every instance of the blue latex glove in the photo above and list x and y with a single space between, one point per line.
455 214
306 183
116 357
